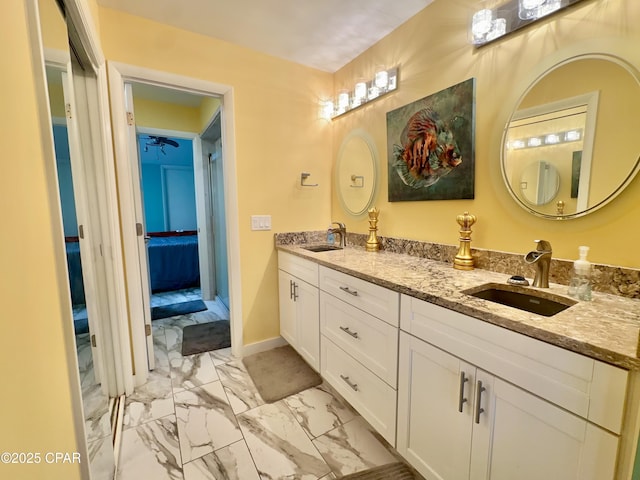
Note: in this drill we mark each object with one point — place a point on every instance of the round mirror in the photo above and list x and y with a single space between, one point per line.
570 145
356 171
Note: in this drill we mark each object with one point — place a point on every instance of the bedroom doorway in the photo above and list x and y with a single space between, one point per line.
184 214
119 75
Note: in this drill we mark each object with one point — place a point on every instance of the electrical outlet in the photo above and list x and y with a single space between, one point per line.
260 222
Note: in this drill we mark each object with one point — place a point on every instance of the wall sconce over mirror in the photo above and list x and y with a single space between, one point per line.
489 24
364 91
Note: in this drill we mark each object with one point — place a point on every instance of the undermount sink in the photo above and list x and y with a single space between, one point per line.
322 248
533 301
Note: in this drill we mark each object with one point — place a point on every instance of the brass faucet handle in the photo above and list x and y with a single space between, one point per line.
543 246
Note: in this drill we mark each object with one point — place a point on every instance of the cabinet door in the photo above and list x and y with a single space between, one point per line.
288 328
435 405
307 306
520 436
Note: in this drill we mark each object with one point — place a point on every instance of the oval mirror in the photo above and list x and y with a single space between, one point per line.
570 145
356 172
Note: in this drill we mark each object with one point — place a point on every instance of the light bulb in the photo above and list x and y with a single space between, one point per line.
360 91
381 79
529 4
343 101
481 22
572 135
552 138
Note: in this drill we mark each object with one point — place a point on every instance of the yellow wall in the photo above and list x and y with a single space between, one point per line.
433 52
36 413
166 116
278 136
208 108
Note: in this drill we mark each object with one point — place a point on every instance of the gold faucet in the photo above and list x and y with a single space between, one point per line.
541 258
341 230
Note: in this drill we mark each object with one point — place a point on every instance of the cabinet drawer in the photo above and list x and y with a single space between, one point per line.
373 299
369 340
370 396
299 267
589 388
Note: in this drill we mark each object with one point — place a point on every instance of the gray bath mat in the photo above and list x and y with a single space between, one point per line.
205 337
182 308
280 372
395 471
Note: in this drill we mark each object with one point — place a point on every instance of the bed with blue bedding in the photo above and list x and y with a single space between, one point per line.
173 264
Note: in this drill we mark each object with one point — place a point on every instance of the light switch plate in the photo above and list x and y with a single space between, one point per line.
260 222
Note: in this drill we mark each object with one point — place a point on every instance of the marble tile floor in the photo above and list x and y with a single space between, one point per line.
201 417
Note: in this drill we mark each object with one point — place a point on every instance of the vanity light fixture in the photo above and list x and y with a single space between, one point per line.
546 139
383 82
488 24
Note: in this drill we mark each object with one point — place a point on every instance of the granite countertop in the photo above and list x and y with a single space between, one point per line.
607 328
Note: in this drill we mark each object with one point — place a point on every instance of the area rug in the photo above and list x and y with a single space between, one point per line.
182 308
396 471
205 337
280 372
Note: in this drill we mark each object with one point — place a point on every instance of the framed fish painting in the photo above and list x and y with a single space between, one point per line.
430 146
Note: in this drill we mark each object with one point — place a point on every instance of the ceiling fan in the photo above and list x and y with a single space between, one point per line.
156 141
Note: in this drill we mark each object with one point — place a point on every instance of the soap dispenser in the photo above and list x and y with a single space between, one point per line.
331 239
580 285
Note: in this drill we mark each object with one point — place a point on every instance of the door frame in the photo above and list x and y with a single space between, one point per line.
205 251
119 74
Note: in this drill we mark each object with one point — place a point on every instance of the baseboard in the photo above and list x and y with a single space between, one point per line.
263 346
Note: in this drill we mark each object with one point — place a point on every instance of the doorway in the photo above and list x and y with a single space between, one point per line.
183 202
119 75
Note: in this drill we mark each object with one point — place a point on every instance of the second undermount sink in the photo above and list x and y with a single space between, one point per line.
322 248
533 301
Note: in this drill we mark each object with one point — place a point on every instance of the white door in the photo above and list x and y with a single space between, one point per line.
521 436
288 325
140 307
85 232
219 237
180 205
307 305
435 410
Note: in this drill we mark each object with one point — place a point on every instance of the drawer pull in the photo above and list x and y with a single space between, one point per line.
479 410
349 332
354 386
349 291
461 398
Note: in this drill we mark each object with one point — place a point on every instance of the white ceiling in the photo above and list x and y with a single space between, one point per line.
324 34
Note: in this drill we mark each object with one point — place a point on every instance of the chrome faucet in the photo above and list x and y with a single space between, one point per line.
541 258
341 230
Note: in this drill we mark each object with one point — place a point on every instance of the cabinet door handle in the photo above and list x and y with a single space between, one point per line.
295 291
479 390
354 386
349 332
349 291
290 289
461 398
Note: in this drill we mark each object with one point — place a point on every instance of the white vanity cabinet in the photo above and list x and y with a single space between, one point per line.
359 346
299 307
476 401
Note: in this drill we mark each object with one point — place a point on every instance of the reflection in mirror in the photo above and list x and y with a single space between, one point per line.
577 119
539 183
69 166
356 172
